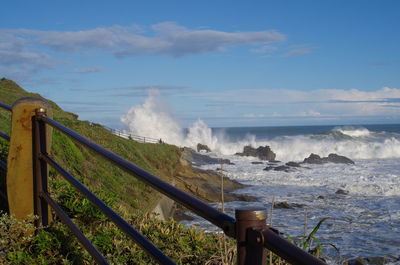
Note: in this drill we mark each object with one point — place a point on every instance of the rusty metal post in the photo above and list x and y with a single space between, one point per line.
40 172
250 218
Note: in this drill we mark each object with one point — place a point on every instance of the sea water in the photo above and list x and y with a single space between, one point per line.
365 222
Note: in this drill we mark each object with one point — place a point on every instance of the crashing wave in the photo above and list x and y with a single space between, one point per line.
154 119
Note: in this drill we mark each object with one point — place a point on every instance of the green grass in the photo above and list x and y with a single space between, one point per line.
99 175
127 195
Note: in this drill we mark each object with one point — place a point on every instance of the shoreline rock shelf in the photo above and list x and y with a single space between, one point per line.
262 152
331 158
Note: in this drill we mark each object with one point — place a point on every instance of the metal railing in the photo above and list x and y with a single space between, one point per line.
249 227
137 138
3 164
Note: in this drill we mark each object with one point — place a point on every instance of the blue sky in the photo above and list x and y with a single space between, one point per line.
230 63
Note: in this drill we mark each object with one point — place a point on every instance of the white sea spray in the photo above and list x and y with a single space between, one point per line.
155 119
365 222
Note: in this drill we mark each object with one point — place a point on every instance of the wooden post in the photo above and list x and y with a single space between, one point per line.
20 184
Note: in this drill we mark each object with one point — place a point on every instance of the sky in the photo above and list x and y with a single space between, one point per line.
229 63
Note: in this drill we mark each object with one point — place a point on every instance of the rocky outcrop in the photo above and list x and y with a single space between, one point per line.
313 159
206 185
287 205
288 167
279 168
203 147
293 164
342 192
332 158
262 152
203 184
373 260
197 159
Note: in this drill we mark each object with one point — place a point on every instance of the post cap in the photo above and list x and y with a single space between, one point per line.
251 213
40 111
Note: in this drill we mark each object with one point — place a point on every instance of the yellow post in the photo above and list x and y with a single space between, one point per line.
20 186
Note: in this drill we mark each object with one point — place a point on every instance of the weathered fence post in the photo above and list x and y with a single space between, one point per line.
20 166
249 218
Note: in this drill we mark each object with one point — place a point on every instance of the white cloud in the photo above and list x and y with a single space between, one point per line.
310 113
252 115
314 103
166 38
24 52
87 70
266 49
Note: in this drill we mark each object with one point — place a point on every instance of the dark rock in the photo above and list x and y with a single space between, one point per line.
257 163
244 198
342 192
372 260
203 147
262 152
313 159
293 164
197 159
286 205
279 168
332 158
269 168
282 168
321 197
206 185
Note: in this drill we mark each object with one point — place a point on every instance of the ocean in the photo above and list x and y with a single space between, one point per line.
362 200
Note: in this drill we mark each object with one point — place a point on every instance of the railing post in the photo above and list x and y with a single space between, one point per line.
248 218
40 171
20 184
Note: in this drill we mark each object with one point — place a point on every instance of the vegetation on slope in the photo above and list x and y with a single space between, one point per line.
99 175
124 193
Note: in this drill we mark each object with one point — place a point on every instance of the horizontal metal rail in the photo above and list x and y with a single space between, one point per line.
3 164
202 209
252 236
127 135
113 216
5 106
5 136
75 230
283 248
4 196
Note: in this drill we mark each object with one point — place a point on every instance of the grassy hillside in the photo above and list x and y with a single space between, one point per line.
124 193
99 175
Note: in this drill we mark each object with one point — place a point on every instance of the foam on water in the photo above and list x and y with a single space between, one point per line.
154 119
353 131
365 222
299 147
